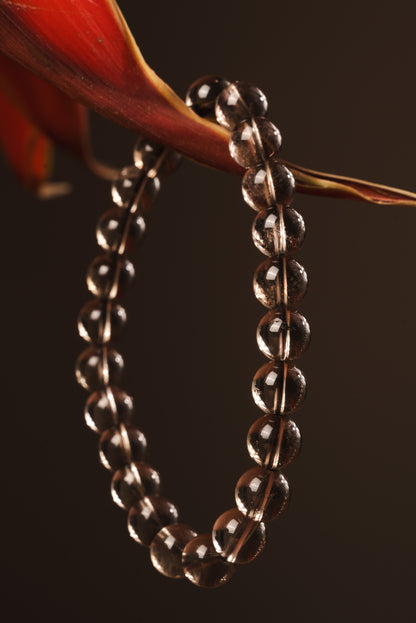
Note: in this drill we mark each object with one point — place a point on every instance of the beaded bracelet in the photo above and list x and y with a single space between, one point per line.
262 493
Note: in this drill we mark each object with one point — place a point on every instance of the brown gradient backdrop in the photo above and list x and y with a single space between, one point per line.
340 83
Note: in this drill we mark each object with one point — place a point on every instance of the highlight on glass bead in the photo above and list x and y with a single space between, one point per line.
101 321
120 231
148 155
268 184
109 276
238 538
167 547
278 388
238 102
280 282
202 94
262 494
133 482
97 367
148 516
129 182
120 445
203 565
278 230
254 141
263 442
283 335
108 407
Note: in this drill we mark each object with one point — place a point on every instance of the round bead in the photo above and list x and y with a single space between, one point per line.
283 335
108 407
148 516
120 445
128 183
203 565
262 441
109 276
120 231
254 141
280 282
262 494
237 538
238 102
167 547
278 388
278 230
97 367
268 184
133 482
147 155
202 94
100 322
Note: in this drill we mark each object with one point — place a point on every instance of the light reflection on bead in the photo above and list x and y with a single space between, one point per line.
167 547
238 102
120 445
109 276
148 516
283 335
237 538
278 230
202 94
203 565
120 231
278 388
147 155
97 367
100 321
262 442
254 141
108 407
268 184
127 184
280 282
261 494
133 482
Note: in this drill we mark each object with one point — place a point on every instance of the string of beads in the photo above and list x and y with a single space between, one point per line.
262 493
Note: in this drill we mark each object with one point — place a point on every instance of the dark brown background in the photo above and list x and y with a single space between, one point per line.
340 83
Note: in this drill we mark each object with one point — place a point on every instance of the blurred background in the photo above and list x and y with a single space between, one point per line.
340 83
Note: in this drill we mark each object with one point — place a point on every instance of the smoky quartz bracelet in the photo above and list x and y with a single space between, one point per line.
262 493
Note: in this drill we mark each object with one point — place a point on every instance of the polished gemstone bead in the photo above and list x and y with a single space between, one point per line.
149 155
133 482
120 231
203 565
100 321
238 538
278 388
280 282
262 494
108 407
167 547
263 439
97 367
254 141
238 102
109 276
202 94
120 445
129 182
149 516
283 335
278 230
268 184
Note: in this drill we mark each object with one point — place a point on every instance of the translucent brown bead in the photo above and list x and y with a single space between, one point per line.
279 388
262 494
148 516
283 335
237 538
278 230
108 407
101 321
203 565
263 437
202 94
133 482
97 367
167 547
148 155
109 276
120 445
268 184
129 182
120 231
280 283
238 102
254 141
